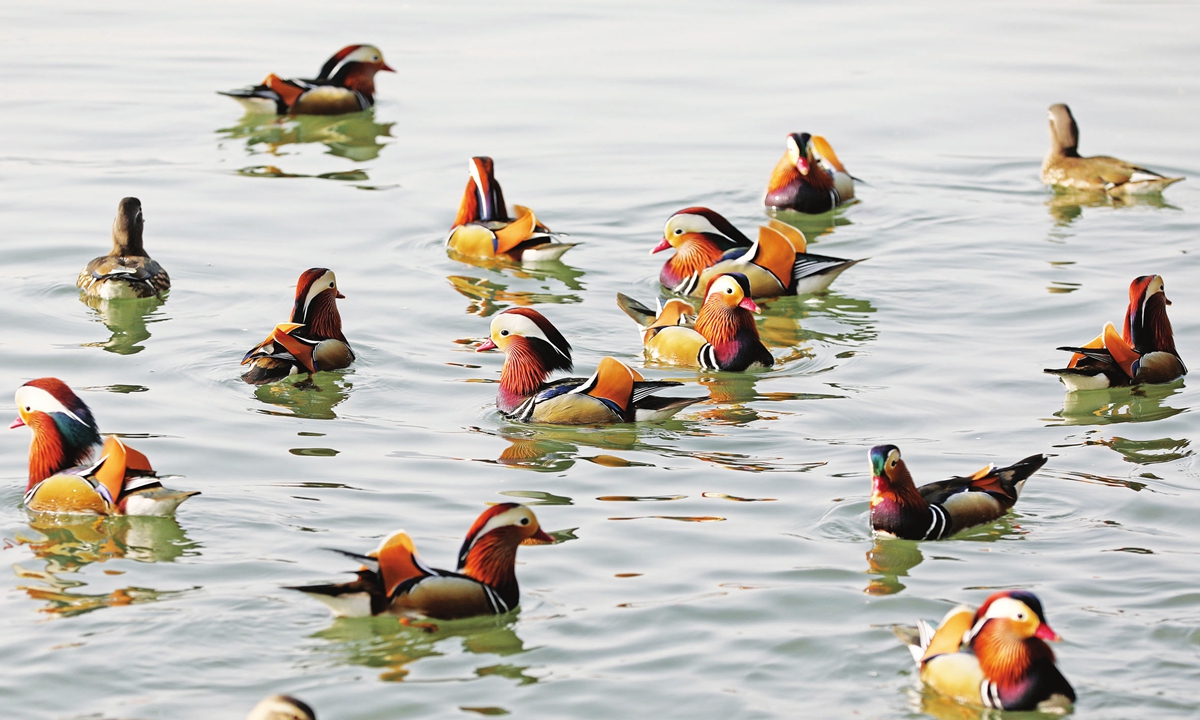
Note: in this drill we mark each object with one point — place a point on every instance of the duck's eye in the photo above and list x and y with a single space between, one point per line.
28 409
1021 616
375 58
503 332
330 284
728 291
524 521
678 231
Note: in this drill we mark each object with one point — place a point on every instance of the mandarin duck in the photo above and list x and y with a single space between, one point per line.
65 437
1144 352
282 707
126 271
809 178
395 581
1006 665
483 229
723 338
1063 167
707 245
345 84
533 348
311 342
941 509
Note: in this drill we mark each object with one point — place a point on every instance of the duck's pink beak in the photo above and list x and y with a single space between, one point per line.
748 304
1044 632
385 66
802 166
487 345
662 245
17 423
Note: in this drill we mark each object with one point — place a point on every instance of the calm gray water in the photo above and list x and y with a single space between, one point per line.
605 118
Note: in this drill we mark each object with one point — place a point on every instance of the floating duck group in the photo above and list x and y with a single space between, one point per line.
995 656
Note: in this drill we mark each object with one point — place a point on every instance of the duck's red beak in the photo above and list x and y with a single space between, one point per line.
538 538
749 304
385 66
662 245
802 166
1044 632
17 423
487 345
340 296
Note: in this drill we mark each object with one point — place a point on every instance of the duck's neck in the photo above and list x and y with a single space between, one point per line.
1005 658
54 450
492 561
1153 333
127 239
322 319
694 256
359 77
523 374
728 329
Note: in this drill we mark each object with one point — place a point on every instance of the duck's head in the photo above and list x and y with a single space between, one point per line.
888 473
800 151
700 223
731 290
354 59
127 228
527 329
1064 133
64 431
316 295
281 707
1016 611
503 526
1147 326
487 197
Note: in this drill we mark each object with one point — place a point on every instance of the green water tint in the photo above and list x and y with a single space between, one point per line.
356 136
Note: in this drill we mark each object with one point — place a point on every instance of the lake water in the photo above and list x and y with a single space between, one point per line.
605 118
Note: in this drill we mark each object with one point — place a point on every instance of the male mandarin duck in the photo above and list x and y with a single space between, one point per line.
121 482
809 178
483 229
941 509
1006 665
282 707
311 342
724 337
707 245
1144 352
1064 167
395 581
534 348
346 84
126 271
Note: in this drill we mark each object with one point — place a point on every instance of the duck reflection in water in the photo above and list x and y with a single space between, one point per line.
813 226
392 647
303 398
891 559
354 136
1066 206
488 297
126 320
69 543
1140 403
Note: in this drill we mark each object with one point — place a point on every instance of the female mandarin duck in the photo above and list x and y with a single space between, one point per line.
282 707
127 271
1065 168
346 84
311 342
941 509
724 337
707 245
483 229
534 348
809 178
1144 352
121 482
395 581
1007 665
